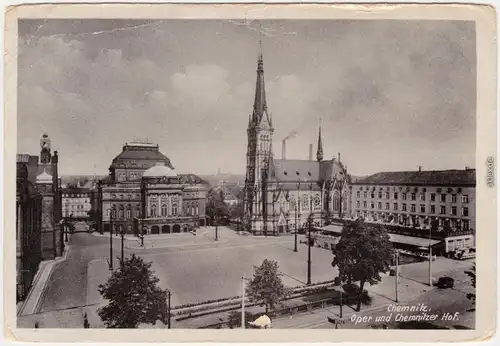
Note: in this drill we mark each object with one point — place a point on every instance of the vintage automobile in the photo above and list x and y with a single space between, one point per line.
445 282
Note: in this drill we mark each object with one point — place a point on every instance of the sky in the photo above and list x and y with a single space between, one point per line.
391 95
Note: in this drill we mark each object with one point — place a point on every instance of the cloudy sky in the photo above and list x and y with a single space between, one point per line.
392 95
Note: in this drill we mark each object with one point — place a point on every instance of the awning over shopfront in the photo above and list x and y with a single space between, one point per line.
414 241
332 228
334 231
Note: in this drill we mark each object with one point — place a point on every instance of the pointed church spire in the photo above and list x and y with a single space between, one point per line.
260 105
319 152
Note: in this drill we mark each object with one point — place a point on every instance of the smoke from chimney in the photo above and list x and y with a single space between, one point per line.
310 152
283 149
290 135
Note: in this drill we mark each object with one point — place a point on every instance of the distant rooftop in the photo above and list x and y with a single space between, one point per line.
141 144
22 158
455 177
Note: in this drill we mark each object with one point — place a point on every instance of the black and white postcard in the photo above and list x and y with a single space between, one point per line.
250 172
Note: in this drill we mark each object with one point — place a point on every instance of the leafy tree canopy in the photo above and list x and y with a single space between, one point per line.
216 206
266 285
134 296
363 252
472 275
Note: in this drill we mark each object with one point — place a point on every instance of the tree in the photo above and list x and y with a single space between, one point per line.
362 253
472 275
134 296
266 286
216 207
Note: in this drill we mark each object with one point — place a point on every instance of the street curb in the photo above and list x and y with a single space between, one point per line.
127 237
43 267
180 246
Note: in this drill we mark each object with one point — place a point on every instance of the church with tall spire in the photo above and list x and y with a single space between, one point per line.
281 194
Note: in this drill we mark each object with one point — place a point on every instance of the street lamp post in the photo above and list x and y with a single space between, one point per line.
216 229
430 258
309 253
169 297
338 282
65 225
396 255
111 239
243 301
122 231
295 249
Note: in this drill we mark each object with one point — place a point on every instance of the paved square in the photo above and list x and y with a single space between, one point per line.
200 274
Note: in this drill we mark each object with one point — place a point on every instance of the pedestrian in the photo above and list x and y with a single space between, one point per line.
86 323
36 324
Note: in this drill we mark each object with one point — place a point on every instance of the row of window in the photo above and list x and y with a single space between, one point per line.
191 209
408 220
72 206
306 202
265 141
130 176
74 200
413 208
78 195
122 196
413 196
122 213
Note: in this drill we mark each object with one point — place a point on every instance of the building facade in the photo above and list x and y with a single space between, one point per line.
441 200
143 194
280 195
76 202
38 212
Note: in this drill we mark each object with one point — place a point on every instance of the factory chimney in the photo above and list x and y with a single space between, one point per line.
283 149
310 152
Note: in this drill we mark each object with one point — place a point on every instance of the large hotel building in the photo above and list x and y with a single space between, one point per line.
416 199
441 200
418 208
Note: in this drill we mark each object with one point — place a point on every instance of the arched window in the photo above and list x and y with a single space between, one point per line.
174 209
305 203
196 209
344 203
122 212
336 201
137 211
164 210
129 211
317 202
113 211
109 212
152 211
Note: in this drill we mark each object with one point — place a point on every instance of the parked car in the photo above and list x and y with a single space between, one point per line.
468 255
445 282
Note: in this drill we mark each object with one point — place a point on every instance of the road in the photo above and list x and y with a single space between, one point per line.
67 284
438 302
